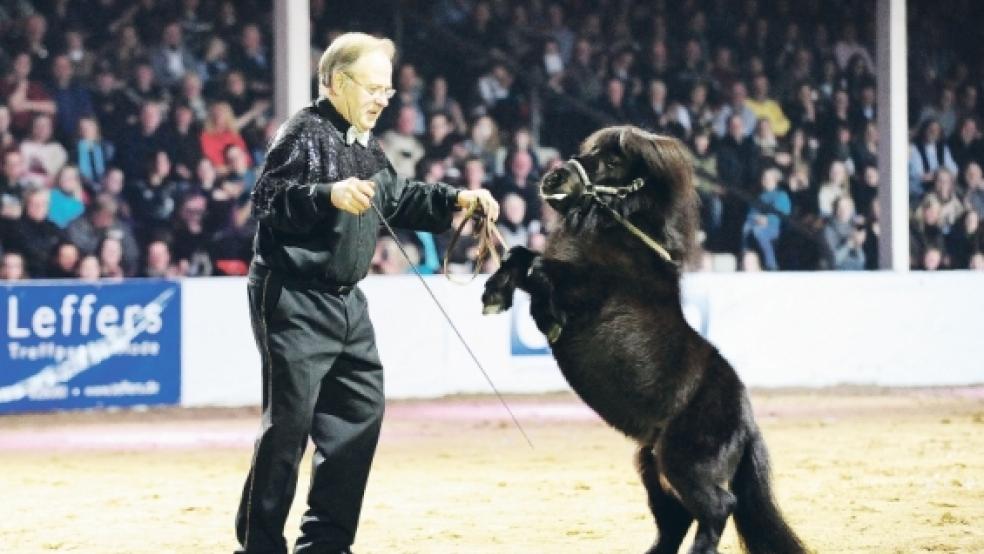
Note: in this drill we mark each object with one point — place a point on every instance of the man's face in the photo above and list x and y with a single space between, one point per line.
361 88
13 165
37 206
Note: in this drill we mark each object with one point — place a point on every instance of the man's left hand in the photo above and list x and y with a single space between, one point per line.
481 200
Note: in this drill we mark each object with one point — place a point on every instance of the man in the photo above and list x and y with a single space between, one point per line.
314 242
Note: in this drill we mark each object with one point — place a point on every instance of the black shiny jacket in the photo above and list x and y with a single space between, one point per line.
300 233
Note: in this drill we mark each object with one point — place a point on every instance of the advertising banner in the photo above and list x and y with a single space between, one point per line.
79 345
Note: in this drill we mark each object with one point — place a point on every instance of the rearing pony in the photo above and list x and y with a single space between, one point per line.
606 292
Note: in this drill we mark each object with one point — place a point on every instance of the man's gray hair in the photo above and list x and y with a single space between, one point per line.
346 49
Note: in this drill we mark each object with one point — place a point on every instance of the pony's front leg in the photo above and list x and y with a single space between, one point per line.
499 288
550 320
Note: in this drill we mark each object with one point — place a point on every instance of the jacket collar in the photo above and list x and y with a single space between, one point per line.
327 110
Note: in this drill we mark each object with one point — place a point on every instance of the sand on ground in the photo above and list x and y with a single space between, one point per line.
855 470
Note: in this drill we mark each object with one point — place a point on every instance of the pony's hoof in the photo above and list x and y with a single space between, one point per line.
492 309
554 333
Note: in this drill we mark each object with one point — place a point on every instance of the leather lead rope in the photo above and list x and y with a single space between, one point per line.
487 234
454 327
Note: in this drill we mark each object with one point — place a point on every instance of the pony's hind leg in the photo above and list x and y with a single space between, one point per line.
697 482
672 519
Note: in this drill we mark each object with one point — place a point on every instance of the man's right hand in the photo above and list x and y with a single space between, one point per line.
353 195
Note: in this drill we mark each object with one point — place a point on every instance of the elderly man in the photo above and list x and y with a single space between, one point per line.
322 377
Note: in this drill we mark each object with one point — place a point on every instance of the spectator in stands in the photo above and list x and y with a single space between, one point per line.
966 240
101 221
13 267
401 145
110 105
864 191
64 262
865 110
191 94
220 131
655 113
43 156
143 140
762 226
974 179
438 101
613 104
72 100
239 170
158 261
474 176
802 109
499 97
183 136
82 58
91 154
926 231
844 236
736 159
34 235
581 79
215 62
837 185
190 237
700 115
518 180
67 197
172 59
864 149
153 196
126 51
511 225
966 145
7 140
951 208
440 137
944 112
111 259
248 108
927 155
483 142
14 180
25 96
251 57
144 88
767 108
765 141
736 106
849 46
88 269
706 180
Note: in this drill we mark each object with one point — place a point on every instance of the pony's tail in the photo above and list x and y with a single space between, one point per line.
760 524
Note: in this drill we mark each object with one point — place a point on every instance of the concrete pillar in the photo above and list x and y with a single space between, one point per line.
292 56
893 128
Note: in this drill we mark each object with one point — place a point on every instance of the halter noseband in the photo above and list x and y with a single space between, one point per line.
594 191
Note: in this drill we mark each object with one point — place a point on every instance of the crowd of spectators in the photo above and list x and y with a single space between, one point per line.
131 132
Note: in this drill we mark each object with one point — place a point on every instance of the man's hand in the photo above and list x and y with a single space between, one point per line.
483 198
353 195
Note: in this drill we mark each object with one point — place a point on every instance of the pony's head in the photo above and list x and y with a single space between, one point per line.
645 177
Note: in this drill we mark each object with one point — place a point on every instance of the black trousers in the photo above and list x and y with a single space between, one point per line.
321 378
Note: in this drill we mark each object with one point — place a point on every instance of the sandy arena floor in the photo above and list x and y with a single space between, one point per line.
855 470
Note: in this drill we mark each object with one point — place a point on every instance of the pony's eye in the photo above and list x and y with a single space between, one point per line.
610 162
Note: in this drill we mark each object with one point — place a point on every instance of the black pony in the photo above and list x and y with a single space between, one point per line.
606 293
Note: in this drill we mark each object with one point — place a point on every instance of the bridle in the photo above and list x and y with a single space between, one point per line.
594 193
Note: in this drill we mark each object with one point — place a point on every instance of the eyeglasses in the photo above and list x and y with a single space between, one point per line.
376 91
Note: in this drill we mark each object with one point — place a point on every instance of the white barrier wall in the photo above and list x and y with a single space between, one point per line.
780 329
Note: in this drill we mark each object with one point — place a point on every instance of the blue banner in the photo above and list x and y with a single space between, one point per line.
81 345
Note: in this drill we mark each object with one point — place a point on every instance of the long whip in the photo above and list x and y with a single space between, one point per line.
451 323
